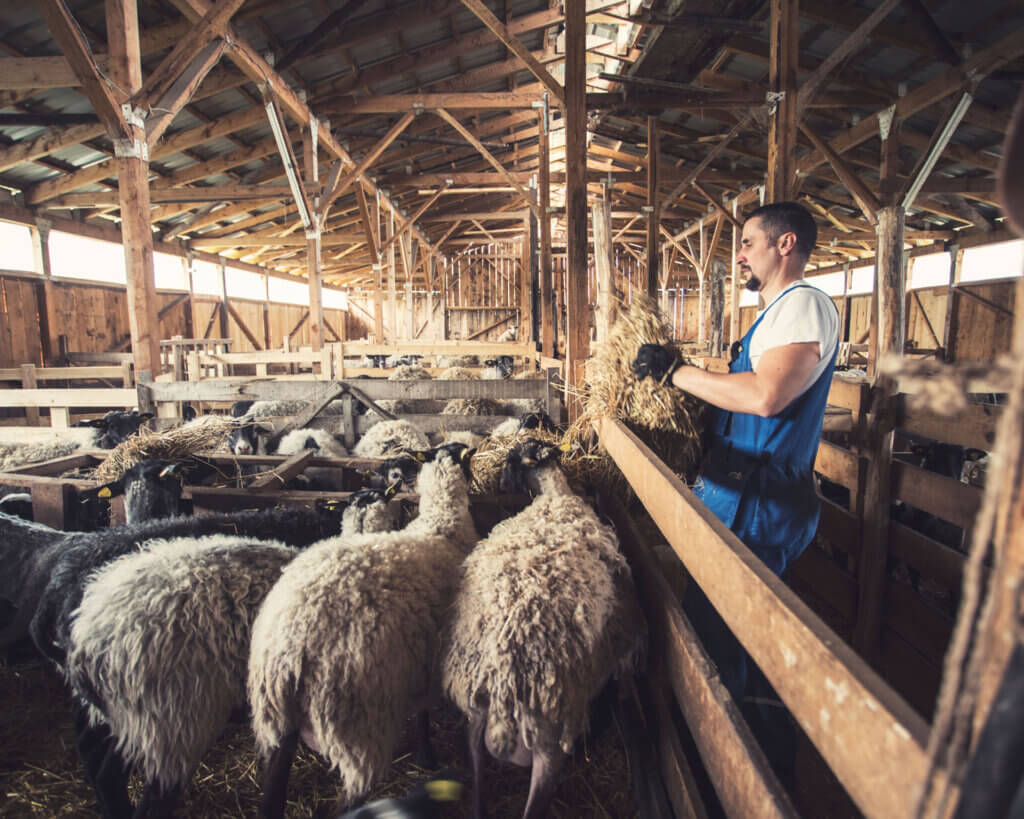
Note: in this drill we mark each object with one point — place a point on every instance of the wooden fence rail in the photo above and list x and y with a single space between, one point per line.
871 738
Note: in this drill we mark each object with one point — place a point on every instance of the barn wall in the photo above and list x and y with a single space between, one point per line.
94 318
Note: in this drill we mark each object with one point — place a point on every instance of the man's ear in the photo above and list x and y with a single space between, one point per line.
786 243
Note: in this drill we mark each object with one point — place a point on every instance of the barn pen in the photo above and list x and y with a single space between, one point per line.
369 210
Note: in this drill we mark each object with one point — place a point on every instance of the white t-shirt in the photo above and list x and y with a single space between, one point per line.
798 315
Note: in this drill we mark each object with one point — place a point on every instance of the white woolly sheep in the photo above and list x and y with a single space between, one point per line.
544 615
98 433
446 361
458 374
343 647
388 438
325 445
158 653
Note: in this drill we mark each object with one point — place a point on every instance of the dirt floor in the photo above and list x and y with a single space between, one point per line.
40 775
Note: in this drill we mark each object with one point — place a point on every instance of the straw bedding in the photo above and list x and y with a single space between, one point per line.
172 445
42 777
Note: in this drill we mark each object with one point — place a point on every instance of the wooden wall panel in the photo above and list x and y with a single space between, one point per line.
174 322
252 314
860 316
202 310
19 324
934 302
983 332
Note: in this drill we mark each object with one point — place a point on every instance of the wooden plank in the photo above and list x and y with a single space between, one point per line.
975 427
865 199
68 398
737 766
783 60
368 159
393 103
924 627
839 465
936 494
50 502
849 394
675 768
828 581
279 476
58 466
868 735
931 558
180 92
840 527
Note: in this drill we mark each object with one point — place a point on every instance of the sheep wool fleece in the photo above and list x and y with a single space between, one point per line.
344 645
545 613
162 639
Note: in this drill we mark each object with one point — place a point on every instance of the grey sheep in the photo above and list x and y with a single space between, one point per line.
343 647
544 615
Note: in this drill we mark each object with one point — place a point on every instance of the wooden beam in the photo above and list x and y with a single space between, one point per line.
472 140
177 95
368 226
515 45
407 223
242 326
331 22
718 205
853 41
713 154
392 103
38 73
368 159
864 198
870 738
652 209
784 51
125 71
76 51
577 307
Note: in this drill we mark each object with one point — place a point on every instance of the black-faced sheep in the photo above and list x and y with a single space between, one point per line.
344 645
325 445
544 615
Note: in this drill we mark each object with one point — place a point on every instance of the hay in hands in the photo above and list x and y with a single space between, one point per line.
205 435
667 419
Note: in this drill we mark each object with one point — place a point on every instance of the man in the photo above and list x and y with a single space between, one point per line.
757 477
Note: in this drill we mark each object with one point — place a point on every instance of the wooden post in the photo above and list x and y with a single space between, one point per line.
949 328
392 273
601 215
784 45
577 331
28 382
527 277
702 292
653 214
547 305
124 72
734 291
716 288
44 289
314 255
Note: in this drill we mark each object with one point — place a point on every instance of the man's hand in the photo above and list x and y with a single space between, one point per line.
654 360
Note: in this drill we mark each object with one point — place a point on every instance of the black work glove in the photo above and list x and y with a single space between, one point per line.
656 361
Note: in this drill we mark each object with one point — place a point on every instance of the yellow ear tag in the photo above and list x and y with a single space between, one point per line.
565 447
421 457
104 493
444 790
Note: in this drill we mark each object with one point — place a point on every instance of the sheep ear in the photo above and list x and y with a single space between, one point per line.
467 455
171 470
420 456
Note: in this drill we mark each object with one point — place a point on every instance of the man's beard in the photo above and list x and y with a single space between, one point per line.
753 284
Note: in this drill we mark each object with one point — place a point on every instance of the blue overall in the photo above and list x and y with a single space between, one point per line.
758 480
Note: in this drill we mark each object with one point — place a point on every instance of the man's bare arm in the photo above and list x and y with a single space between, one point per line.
781 372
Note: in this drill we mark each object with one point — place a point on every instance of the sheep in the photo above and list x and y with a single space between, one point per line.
510 426
498 368
151 488
152 721
465 437
325 445
368 510
509 334
78 554
408 360
458 374
446 361
545 614
17 504
98 433
390 437
409 372
157 656
343 646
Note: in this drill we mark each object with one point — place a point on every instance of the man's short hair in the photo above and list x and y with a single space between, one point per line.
789 217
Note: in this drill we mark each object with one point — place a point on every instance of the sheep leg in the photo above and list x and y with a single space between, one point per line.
543 782
477 726
104 768
157 802
424 756
275 776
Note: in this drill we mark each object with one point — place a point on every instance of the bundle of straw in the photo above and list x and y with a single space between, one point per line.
173 444
458 374
668 419
470 406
